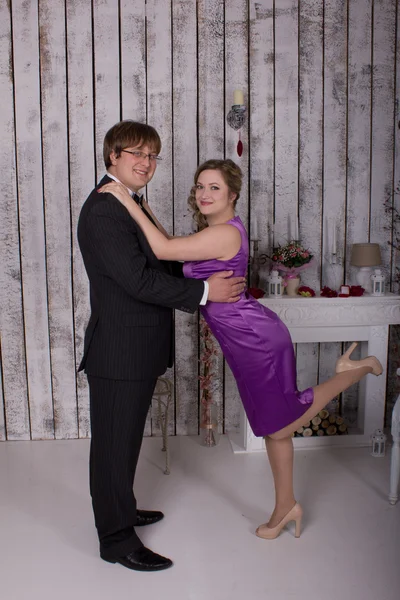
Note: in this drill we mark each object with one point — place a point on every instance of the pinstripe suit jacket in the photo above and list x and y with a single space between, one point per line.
132 294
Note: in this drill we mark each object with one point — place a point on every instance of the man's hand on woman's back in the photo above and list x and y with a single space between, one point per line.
224 287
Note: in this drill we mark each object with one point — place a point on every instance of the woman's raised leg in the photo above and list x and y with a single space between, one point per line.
348 373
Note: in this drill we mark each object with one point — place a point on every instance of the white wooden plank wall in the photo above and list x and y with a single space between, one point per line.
321 144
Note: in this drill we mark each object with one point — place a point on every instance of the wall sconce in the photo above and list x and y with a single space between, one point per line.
236 117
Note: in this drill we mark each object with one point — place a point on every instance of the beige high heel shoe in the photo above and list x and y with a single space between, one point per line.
345 364
270 533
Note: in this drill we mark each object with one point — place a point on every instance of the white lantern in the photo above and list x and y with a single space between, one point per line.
275 284
378 440
378 283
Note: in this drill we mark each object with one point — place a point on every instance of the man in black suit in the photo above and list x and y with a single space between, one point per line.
129 338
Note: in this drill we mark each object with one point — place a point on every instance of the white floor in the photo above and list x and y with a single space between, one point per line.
213 500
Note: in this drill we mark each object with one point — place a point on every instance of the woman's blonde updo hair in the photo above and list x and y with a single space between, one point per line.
232 175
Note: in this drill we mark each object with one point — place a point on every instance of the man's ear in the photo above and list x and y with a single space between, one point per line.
113 158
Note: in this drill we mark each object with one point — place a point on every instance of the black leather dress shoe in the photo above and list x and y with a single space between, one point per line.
147 517
142 559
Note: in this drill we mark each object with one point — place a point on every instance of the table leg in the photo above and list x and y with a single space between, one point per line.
395 461
375 387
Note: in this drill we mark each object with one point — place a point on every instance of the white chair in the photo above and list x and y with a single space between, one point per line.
395 461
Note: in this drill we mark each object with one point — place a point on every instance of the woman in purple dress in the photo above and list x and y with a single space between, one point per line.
255 342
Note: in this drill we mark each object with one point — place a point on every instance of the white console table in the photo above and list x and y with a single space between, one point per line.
365 319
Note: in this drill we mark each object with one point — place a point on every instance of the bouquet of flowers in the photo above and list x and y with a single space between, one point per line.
292 258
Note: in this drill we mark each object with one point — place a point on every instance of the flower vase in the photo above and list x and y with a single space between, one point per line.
292 285
209 435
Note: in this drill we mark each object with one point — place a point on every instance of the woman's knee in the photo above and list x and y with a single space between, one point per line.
278 435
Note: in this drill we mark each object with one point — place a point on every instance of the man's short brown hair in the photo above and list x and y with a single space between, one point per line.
126 134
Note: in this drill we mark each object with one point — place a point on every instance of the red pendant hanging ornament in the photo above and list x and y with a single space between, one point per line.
236 118
239 147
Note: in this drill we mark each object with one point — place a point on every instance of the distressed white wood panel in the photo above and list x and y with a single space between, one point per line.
334 167
211 118
359 127
159 115
133 59
236 77
310 162
107 73
30 195
57 210
395 254
184 105
383 101
211 124
218 24
81 171
335 131
262 126
286 118
382 151
287 150
14 393
393 388
358 150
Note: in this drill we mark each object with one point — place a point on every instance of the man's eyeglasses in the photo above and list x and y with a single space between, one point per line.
142 155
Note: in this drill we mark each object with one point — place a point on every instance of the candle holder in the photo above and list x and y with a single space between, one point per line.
378 283
236 118
256 260
275 284
378 443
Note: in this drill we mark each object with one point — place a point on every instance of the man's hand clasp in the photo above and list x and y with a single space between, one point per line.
224 287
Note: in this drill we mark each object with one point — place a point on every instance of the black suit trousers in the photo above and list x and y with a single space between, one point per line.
118 411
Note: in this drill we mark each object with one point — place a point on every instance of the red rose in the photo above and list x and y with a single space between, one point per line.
306 291
356 290
326 292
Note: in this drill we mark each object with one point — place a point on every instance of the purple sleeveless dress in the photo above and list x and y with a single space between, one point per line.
257 347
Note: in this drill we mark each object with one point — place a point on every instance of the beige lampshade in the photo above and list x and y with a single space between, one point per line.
365 255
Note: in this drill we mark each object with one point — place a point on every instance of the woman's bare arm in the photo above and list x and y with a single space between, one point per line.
220 241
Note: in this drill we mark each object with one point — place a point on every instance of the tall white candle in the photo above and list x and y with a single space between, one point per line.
334 243
255 228
271 236
238 97
289 228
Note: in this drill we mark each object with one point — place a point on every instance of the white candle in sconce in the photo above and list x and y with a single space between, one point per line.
334 241
296 228
271 236
238 98
254 228
289 228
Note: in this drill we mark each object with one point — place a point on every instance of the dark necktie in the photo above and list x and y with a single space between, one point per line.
139 200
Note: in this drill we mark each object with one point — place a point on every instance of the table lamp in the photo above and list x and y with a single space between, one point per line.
365 256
